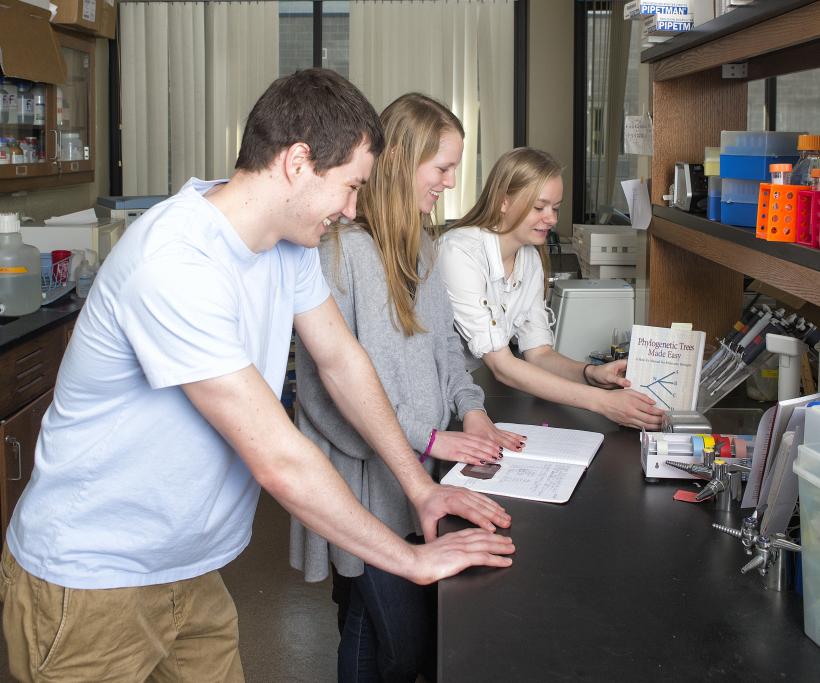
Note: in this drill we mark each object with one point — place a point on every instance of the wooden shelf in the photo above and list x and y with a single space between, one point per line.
786 42
790 267
724 25
696 266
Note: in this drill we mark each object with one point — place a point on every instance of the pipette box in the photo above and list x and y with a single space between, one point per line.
739 215
747 154
738 202
638 9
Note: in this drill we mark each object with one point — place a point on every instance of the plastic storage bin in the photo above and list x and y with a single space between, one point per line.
807 469
747 154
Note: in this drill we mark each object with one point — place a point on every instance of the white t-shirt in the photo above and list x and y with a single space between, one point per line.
490 309
131 485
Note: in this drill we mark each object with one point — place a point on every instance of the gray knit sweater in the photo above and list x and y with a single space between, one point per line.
424 377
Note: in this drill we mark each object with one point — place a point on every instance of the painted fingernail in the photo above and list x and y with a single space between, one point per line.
500 455
483 462
522 443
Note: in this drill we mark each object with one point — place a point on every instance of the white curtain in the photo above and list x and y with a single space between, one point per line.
496 73
190 73
186 70
447 49
243 60
144 99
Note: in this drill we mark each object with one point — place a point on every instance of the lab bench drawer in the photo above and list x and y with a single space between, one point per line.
18 441
30 369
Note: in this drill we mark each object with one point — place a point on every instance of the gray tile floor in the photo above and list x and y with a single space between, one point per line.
287 628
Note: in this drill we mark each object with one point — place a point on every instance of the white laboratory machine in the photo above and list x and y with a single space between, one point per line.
587 312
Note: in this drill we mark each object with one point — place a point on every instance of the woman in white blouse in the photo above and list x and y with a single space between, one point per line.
491 264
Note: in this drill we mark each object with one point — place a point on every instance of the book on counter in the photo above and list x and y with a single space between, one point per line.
664 363
548 469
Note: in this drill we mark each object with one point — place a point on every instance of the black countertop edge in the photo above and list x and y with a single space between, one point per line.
793 253
27 326
725 24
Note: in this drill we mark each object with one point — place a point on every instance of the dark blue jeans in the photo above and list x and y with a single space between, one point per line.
388 628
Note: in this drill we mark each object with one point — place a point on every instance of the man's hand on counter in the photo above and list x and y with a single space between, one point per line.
438 501
458 550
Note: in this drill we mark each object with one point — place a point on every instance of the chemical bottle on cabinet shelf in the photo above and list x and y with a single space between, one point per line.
59 99
25 103
19 270
4 102
16 152
39 96
781 174
11 100
809 148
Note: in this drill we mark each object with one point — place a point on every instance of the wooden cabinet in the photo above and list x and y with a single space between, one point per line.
28 371
18 439
696 266
47 131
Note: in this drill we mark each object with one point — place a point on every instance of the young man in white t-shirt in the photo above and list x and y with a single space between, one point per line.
166 416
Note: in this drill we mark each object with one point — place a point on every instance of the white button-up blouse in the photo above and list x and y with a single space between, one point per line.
490 309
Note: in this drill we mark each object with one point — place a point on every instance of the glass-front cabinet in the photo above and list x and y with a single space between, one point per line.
47 130
23 116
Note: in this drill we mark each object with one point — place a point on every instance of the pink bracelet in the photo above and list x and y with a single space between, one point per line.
429 446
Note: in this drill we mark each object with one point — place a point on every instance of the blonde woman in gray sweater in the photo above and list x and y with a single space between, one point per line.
383 275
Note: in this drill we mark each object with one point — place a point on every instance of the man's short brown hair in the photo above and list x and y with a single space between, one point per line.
315 106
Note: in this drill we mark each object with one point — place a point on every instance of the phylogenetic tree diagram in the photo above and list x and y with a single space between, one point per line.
663 384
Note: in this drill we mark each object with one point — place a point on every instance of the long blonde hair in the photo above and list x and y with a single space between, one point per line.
518 175
387 206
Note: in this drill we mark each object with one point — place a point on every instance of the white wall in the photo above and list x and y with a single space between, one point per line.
549 108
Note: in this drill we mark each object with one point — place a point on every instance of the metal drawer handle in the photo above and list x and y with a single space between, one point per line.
14 443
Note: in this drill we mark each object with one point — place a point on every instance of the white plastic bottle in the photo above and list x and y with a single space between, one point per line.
4 102
20 291
25 103
39 96
85 278
11 100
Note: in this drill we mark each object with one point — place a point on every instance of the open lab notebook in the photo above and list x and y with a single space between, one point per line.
548 469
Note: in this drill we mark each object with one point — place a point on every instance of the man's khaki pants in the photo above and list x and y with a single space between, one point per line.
181 631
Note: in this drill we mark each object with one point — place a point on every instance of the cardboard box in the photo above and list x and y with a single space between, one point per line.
108 19
28 47
83 15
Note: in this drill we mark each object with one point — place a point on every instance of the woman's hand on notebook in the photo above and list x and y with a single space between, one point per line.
478 423
463 447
